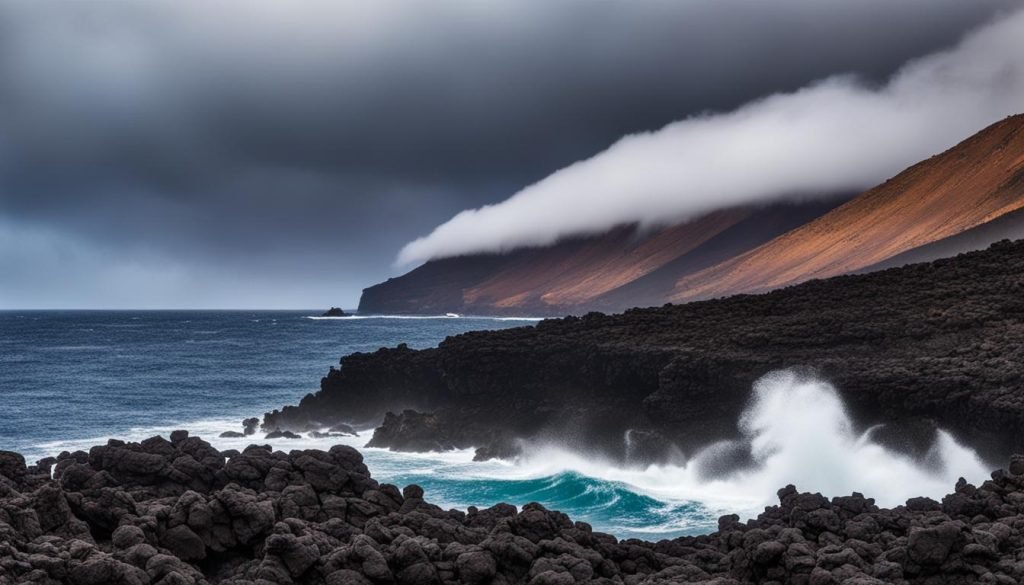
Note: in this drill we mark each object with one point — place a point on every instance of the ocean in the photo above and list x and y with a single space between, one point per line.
73 379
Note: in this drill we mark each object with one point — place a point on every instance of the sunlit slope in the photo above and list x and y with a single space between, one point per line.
612 271
977 181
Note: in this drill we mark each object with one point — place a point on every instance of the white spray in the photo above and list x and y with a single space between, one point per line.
798 432
796 428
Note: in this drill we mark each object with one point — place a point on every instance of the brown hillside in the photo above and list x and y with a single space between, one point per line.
975 182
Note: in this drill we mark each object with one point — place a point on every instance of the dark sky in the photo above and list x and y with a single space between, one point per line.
271 155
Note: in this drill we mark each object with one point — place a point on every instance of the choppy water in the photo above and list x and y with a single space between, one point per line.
69 380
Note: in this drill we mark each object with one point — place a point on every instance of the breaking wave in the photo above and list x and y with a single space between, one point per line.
795 430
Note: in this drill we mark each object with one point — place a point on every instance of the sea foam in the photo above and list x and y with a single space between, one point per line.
795 428
798 431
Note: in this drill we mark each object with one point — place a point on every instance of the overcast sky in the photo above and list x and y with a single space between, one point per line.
271 155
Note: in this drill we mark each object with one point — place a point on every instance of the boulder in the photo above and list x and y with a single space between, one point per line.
931 546
12 466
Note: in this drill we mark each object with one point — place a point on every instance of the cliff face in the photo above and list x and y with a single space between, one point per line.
940 342
929 208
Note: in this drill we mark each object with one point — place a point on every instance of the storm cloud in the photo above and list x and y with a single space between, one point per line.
836 135
259 154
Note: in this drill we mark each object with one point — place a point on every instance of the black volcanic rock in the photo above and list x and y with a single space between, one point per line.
420 432
414 431
335 312
310 517
938 343
12 466
250 425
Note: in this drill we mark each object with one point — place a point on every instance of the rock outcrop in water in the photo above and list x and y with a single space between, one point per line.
939 343
179 512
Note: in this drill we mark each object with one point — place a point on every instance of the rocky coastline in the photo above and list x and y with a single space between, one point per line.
937 344
179 512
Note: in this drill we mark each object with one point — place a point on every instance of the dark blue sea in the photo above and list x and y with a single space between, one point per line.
73 379
87 374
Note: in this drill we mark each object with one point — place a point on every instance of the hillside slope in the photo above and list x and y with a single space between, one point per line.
936 208
975 182
613 271
1006 227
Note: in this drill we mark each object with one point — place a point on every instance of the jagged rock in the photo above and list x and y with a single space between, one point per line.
412 491
334 312
12 466
250 425
251 517
184 543
127 536
931 546
414 431
311 516
476 567
106 571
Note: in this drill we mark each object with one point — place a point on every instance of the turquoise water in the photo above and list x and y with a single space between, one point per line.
71 379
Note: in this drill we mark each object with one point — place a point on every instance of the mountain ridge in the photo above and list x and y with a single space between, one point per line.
920 206
741 249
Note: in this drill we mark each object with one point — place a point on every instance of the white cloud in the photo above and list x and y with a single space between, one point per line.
832 136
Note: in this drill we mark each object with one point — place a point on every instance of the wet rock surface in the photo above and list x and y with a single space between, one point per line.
180 512
936 344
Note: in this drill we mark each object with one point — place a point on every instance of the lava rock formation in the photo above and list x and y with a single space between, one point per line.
178 512
936 343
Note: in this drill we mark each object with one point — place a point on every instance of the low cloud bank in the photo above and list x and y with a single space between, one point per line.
834 135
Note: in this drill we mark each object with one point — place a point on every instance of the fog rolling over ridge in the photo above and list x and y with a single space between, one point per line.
838 134
168 154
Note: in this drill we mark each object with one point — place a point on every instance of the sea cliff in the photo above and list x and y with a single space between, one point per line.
938 343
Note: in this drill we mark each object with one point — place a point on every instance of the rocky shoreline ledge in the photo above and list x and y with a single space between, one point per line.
179 512
938 344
